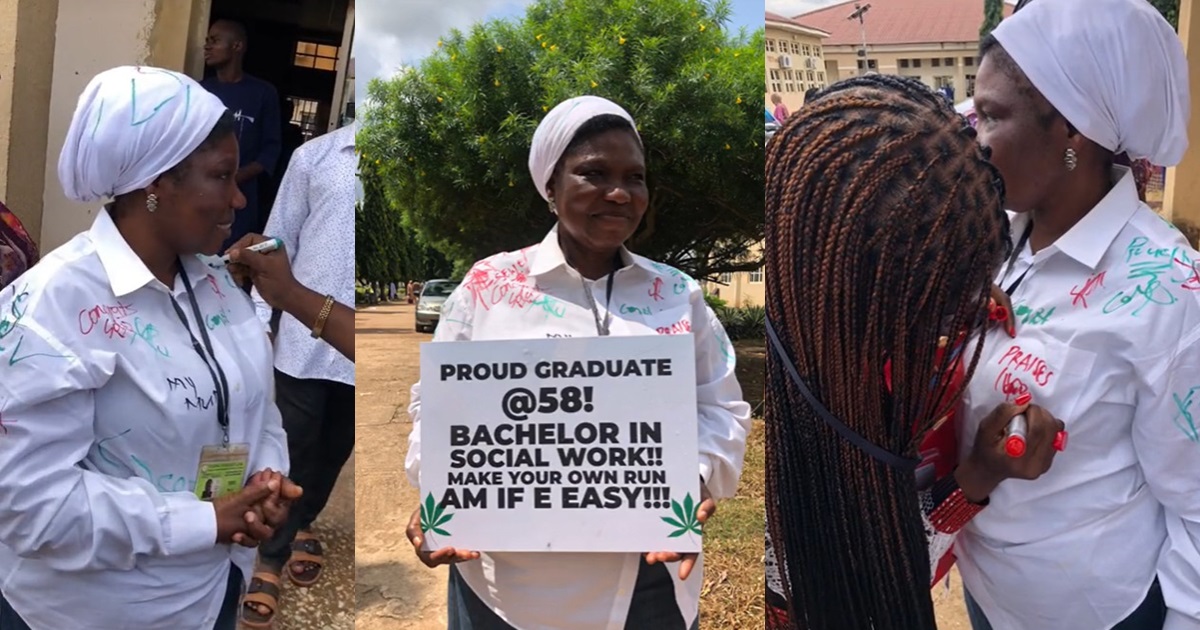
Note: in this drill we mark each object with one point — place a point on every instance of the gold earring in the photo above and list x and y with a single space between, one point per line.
1071 159
553 209
152 202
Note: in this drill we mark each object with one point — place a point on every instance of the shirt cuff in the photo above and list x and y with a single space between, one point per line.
190 524
1178 621
706 467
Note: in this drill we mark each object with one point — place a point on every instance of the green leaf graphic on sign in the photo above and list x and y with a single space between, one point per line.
686 515
433 516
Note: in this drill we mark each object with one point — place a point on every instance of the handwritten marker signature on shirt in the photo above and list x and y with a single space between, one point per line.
114 318
9 326
1079 296
165 483
1017 363
1174 262
1184 419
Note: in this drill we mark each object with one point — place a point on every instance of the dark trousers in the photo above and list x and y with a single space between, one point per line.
1150 615
318 416
653 606
226 619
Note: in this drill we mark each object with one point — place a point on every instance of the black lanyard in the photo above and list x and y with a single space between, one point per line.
220 385
602 327
1013 259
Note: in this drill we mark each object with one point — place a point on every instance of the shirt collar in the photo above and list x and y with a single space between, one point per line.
1089 239
549 256
125 270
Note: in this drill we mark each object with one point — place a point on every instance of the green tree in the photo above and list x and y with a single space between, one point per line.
993 12
452 135
385 250
1169 10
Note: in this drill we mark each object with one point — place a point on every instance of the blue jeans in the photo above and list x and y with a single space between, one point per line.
653 606
226 619
1150 615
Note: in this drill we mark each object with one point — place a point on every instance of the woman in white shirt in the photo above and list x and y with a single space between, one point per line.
134 374
588 162
1108 339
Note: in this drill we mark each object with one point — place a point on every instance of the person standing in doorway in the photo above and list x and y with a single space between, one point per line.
255 106
314 383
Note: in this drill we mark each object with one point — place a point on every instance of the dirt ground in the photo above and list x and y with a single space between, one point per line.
393 591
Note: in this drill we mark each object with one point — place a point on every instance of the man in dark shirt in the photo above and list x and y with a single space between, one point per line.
255 105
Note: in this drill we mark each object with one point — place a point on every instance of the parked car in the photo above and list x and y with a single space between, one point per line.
429 304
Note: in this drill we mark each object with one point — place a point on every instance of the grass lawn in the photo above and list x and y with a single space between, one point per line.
732 596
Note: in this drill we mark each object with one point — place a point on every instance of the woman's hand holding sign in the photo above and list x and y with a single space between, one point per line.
708 507
445 555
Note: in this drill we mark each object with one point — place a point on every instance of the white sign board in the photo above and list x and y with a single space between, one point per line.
560 445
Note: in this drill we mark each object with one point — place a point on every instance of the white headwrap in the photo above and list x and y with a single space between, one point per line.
554 133
131 125
1114 68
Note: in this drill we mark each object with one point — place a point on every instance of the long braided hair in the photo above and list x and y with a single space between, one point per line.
884 229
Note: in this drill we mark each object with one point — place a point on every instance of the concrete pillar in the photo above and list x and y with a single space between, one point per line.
26 67
1180 198
93 36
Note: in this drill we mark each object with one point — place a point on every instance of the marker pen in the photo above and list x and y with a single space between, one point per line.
264 247
1014 435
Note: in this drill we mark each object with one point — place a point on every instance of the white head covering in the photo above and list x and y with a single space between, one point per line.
554 133
1114 68
131 125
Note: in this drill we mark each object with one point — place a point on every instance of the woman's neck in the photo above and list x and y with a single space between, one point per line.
590 264
160 259
1066 207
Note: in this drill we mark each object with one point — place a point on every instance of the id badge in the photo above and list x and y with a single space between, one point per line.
222 470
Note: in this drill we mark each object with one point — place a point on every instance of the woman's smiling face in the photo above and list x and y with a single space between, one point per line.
600 192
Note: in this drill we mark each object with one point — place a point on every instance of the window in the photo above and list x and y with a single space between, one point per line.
791 87
968 61
817 50
317 56
811 76
776 87
770 45
774 75
725 278
948 62
807 50
870 64
916 63
789 75
903 63
936 63
821 77
943 82
970 85
304 113
796 48
756 276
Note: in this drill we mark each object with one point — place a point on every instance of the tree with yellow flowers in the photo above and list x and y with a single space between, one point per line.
453 135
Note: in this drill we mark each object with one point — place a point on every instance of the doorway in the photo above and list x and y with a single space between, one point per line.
302 47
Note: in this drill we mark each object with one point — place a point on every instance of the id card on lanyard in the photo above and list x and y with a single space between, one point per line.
222 467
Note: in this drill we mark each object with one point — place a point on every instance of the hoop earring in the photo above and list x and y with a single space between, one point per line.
1071 159
152 202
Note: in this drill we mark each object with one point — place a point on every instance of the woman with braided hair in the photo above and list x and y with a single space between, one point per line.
884 228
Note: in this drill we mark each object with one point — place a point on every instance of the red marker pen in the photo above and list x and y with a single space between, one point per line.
1014 435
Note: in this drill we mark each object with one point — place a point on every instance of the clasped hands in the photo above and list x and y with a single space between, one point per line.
450 555
252 514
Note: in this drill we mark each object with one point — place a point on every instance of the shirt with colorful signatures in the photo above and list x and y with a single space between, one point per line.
1108 341
534 293
105 406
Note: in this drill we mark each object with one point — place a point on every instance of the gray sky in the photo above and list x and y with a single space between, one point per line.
390 33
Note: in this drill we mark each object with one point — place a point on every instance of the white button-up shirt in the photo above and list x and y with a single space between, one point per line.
105 407
1108 340
534 293
314 217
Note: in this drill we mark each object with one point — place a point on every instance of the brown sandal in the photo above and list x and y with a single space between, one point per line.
263 591
306 548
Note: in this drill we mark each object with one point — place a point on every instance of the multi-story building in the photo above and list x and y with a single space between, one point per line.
795 60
